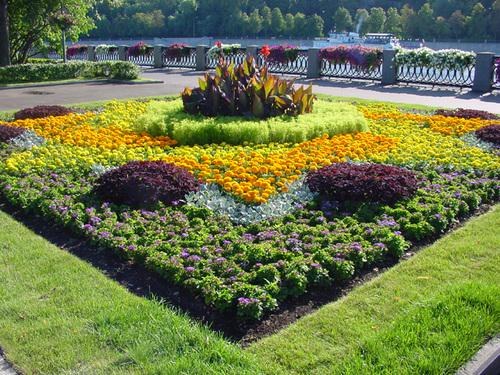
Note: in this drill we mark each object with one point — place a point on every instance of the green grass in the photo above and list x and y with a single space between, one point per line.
60 315
428 315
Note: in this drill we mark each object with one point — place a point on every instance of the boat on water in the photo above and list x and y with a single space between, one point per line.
375 40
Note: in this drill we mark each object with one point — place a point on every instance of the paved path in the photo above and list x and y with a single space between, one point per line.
175 81
5 368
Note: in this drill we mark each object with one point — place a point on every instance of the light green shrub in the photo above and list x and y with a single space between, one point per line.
73 69
168 118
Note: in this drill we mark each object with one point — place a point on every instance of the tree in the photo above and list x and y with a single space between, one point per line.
494 25
342 20
4 34
393 22
299 24
457 24
360 19
266 20
409 22
256 22
477 24
289 24
31 24
425 21
277 22
376 20
441 29
314 26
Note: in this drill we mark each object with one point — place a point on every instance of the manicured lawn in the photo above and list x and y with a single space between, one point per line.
59 314
428 315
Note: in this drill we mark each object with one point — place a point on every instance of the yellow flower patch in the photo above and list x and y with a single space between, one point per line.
440 124
77 130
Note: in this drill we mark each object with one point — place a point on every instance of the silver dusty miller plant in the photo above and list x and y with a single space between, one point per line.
212 197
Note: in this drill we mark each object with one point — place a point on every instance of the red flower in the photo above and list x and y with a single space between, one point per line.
218 44
265 51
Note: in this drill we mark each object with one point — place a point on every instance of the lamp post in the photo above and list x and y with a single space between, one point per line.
64 21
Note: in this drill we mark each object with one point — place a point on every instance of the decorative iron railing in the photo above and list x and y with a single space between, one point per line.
236 58
146 59
496 73
461 77
403 73
107 56
349 71
180 62
297 66
54 55
84 55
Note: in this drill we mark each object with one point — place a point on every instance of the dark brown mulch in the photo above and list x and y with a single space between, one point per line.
145 283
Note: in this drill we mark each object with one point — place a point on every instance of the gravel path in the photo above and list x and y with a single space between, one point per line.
175 81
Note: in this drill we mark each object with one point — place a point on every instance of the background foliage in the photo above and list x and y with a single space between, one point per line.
464 19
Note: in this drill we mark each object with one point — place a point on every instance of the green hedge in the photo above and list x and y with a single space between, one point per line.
168 118
75 69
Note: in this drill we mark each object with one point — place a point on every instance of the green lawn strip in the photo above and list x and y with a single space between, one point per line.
58 314
427 315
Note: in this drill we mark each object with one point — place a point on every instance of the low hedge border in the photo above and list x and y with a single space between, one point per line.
25 73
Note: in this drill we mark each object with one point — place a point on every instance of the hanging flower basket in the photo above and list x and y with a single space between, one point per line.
139 49
177 51
76 49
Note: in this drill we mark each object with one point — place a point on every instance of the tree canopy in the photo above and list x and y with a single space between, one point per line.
286 18
35 24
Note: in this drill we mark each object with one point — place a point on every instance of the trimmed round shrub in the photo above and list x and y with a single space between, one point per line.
145 183
42 111
466 113
9 132
490 134
362 182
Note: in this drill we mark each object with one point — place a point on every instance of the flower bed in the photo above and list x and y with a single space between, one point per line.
259 223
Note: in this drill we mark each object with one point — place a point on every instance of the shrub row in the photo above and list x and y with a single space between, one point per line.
75 69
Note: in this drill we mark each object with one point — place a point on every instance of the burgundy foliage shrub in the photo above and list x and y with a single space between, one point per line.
144 183
466 113
42 111
9 132
362 182
490 134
